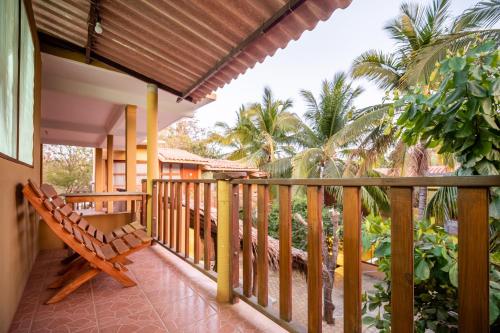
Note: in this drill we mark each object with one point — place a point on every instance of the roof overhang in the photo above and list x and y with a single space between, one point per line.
188 48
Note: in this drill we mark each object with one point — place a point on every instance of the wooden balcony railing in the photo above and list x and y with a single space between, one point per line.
180 206
473 243
89 200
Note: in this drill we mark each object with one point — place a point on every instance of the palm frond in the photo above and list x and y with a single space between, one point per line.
368 118
484 14
385 70
280 168
443 205
423 62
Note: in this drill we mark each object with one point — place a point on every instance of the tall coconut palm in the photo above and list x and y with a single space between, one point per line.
263 131
423 35
332 127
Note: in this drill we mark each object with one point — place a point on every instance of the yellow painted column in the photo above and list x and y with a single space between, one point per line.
109 164
224 288
130 149
99 175
152 144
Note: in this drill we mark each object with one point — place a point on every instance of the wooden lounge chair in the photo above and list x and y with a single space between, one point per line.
98 252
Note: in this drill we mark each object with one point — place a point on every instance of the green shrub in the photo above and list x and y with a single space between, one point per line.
435 280
299 231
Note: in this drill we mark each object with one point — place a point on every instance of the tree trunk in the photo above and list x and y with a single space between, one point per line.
330 251
330 254
422 201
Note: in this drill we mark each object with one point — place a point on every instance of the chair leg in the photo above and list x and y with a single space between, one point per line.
73 285
70 258
67 267
123 278
68 275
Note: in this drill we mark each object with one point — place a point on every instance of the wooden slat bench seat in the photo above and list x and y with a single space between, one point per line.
96 252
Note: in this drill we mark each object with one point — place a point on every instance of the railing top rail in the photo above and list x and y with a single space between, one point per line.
200 181
460 181
103 194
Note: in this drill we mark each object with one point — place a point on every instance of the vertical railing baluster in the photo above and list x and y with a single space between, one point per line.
473 260
402 259
187 213
154 210
314 258
352 259
165 212
207 225
235 235
178 223
196 222
262 245
160 211
285 252
173 201
144 202
247 240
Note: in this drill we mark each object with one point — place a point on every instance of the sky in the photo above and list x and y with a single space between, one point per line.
316 56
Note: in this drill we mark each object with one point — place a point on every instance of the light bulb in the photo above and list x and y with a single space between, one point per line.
98 28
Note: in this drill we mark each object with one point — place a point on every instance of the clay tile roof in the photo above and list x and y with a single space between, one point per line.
189 48
182 156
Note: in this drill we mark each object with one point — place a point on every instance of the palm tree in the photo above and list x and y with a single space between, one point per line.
263 131
423 36
333 126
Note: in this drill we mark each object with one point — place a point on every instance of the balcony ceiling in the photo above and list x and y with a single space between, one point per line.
81 104
189 48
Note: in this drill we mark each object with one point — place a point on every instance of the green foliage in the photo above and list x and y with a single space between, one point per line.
299 230
187 134
263 133
435 280
461 116
68 168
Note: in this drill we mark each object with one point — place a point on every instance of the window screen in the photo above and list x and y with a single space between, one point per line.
9 48
26 90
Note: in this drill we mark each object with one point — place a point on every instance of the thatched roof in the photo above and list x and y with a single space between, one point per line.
299 257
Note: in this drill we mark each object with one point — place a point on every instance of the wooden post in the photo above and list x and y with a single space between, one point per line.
285 254
99 175
262 245
187 218
207 225
247 240
402 259
130 149
152 142
224 285
352 259
314 258
227 235
109 162
473 260
196 223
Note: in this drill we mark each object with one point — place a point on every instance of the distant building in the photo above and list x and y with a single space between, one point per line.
173 164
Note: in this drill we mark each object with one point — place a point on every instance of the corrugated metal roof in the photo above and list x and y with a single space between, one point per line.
193 47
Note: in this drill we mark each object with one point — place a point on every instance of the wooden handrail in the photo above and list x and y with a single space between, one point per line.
102 196
473 258
462 181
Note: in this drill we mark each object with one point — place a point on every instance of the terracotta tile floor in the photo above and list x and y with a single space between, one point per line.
171 296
